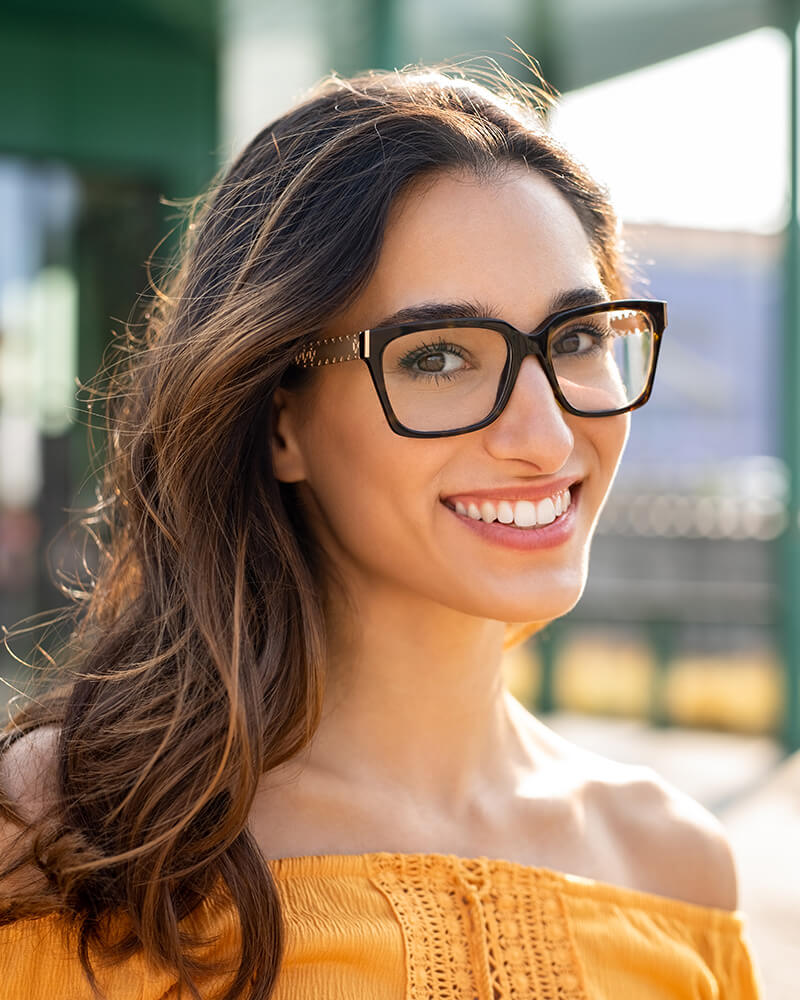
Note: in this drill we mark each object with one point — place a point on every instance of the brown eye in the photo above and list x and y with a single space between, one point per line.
433 363
439 357
579 340
568 344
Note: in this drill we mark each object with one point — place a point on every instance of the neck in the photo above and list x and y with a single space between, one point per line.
414 700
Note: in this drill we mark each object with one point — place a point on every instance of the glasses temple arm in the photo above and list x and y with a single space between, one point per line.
329 352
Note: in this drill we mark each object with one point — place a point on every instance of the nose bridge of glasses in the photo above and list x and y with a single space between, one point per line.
534 343
532 370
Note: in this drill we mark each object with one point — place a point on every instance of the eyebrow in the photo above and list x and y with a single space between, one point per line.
473 309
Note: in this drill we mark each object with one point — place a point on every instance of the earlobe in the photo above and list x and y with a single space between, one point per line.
287 457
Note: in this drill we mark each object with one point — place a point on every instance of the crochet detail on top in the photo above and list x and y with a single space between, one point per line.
480 929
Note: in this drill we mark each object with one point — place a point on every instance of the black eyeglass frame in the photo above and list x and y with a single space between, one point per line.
369 345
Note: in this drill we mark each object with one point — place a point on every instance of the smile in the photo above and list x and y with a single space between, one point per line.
519 513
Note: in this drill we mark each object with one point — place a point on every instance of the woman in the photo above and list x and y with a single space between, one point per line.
375 421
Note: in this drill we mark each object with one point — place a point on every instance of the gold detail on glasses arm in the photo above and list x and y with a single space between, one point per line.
328 352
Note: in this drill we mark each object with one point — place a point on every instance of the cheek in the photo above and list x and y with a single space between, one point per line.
611 436
366 480
622 432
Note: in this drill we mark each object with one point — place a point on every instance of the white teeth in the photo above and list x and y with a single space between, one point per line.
505 512
522 513
488 513
545 511
525 514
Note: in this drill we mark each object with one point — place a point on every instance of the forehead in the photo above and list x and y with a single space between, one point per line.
513 241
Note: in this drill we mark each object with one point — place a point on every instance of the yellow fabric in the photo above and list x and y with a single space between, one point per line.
434 927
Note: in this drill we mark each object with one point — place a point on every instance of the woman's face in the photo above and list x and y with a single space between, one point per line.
388 509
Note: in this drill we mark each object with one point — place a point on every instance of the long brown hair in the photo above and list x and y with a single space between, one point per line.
197 661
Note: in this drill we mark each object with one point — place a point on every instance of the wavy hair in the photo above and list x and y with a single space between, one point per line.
197 659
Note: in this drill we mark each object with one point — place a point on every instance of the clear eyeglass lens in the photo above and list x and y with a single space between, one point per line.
602 360
443 379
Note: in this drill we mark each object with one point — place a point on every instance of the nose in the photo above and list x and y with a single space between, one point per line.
532 427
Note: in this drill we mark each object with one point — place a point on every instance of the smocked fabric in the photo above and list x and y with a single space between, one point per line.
433 927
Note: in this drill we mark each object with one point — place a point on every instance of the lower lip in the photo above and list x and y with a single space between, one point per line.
525 539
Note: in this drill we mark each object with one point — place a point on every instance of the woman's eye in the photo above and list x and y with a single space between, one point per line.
578 340
445 360
438 363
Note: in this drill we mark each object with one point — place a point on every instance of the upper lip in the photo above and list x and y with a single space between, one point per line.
516 492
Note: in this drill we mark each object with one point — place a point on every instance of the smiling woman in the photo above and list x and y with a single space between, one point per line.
371 427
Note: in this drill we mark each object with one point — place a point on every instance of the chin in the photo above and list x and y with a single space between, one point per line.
541 611
534 605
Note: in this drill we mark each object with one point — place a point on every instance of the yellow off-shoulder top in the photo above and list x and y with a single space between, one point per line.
433 927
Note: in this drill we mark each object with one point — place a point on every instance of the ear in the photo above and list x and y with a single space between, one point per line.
287 456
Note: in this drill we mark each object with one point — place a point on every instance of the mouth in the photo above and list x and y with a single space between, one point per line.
520 514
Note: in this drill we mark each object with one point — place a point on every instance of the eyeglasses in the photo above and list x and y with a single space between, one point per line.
438 378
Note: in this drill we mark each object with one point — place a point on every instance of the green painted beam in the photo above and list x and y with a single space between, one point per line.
114 98
577 42
596 41
182 21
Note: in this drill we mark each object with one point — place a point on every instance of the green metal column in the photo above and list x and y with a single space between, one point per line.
382 44
543 41
790 543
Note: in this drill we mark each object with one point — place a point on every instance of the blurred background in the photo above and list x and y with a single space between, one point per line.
685 650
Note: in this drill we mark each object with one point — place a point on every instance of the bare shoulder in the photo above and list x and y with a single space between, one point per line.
673 845
28 793
28 772
638 829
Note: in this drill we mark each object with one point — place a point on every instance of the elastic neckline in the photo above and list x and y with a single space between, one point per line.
364 865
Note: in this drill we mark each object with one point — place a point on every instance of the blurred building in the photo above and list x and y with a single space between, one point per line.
106 111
